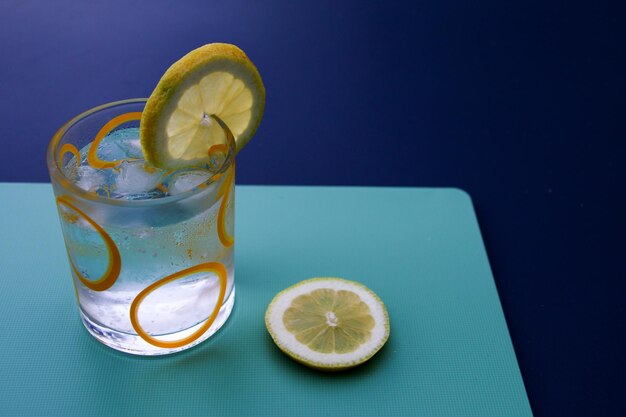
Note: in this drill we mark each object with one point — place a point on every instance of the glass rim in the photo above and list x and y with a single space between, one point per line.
57 175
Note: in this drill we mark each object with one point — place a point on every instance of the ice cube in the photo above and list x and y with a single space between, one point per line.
121 144
133 148
134 178
88 178
182 181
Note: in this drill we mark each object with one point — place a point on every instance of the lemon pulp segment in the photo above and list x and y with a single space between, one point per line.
329 321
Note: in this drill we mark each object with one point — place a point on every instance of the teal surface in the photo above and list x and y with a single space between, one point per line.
449 353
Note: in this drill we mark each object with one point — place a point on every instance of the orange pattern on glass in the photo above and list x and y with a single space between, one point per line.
226 239
68 148
225 190
160 186
215 267
92 155
214 150
114 266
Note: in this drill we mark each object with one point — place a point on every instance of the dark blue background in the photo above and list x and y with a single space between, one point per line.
523 105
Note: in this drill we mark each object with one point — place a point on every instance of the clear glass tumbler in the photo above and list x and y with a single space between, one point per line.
151 251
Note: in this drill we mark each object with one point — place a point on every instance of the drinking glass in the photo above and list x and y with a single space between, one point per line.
151 251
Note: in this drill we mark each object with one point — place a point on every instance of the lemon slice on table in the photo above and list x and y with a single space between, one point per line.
328 323
178 126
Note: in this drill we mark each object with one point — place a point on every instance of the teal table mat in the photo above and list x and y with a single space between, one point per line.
449 353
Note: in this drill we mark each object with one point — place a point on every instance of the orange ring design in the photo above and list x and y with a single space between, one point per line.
220 147
114 267
216 267
160 186
92 156
224 237
68 148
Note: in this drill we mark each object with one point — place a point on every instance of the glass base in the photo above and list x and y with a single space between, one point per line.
134 344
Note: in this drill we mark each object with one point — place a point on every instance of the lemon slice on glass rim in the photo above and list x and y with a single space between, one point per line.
328 324
178 125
